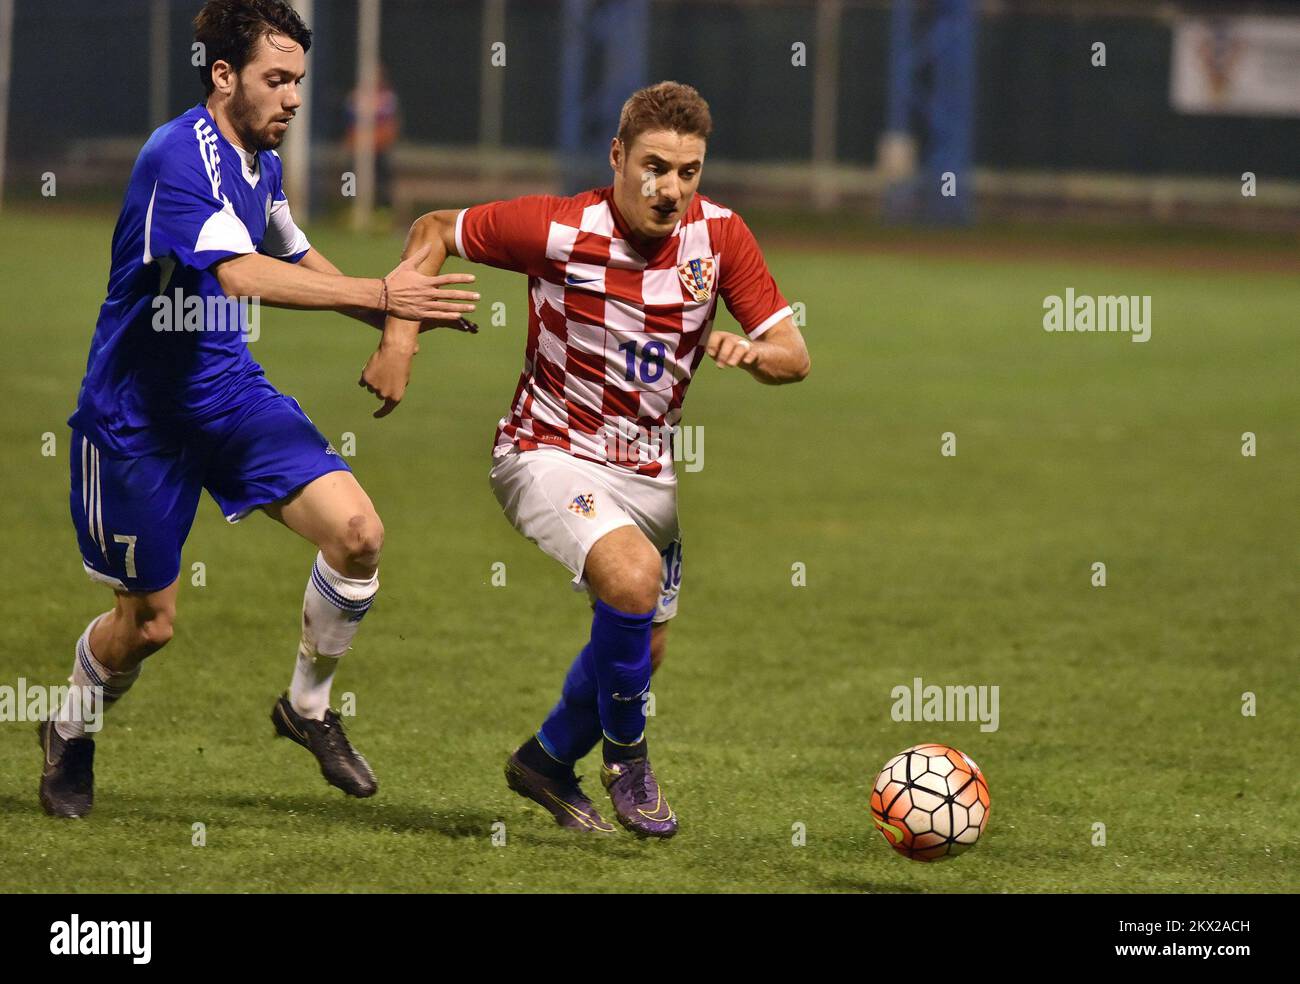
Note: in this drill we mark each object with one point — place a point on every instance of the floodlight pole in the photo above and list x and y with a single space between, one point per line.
826 74
159 61
297 144
6 67
366 103
491 79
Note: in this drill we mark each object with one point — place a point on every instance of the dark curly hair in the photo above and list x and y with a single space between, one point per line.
229 30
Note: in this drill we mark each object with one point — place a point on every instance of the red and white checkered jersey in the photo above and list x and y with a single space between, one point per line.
614 336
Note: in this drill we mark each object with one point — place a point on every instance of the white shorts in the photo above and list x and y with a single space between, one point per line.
565 504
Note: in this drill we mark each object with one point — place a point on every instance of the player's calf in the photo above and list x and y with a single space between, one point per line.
624 567
626 585
106 664
333 512
658 645
332 609
109 653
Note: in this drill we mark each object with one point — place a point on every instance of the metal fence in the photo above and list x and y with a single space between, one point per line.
90 79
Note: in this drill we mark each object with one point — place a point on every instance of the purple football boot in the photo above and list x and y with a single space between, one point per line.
638 802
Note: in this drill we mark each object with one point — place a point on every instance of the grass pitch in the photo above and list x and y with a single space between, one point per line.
1119 705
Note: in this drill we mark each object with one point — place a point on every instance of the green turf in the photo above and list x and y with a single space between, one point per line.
1118 705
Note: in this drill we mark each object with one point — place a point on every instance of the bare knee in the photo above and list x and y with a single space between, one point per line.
151 629
362 541
139 625
634 586
623 569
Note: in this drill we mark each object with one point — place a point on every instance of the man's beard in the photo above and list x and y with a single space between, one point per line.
243 116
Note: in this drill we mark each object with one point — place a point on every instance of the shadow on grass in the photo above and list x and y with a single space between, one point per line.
523 828
16 804
375 814
185 808
861 887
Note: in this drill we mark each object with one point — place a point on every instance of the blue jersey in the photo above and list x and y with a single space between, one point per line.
169 352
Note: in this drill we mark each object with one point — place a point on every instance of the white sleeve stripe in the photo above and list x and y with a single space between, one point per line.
224 232
209 155
770 321
148 226
460 240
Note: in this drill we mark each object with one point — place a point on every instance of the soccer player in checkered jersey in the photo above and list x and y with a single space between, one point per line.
623 286
163 415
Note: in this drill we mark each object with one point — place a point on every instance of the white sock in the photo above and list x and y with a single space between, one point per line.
87 673
332 610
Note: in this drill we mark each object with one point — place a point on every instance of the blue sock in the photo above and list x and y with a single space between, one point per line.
572 728
620 655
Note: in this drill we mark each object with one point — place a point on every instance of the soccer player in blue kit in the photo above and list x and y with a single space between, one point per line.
164 414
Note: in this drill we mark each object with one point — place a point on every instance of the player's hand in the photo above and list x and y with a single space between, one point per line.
414 297
386 374
727 349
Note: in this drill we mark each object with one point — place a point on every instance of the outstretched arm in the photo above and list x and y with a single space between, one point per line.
405 292
431 240
318 261
779 356
314 259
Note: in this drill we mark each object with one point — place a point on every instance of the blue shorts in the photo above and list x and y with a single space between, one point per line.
132 514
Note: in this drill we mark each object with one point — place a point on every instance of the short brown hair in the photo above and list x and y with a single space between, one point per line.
229 30
665 106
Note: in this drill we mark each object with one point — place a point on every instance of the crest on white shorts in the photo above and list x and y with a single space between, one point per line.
697 277
584 505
